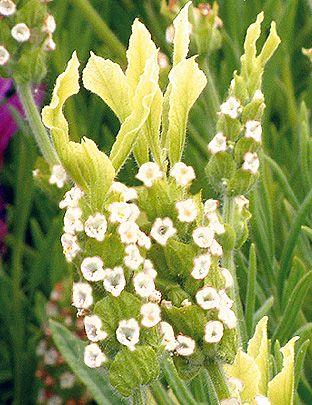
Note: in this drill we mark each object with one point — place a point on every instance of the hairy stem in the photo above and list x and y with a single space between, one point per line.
218 379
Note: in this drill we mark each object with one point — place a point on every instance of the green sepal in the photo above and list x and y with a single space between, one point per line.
241 227
179 258
189 366
230 127
214 277
228 238
243 146
111 250
227 348
253 110
241 182
31 66
220 167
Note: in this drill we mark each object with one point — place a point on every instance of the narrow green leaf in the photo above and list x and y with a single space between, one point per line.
264 309
251 294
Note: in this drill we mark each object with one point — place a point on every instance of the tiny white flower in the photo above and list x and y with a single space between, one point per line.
93 328
258 95
133 258
143 284
71 198
122 212
114 281
253 130
162 60
203 236
4 56
70 246
215 224
182 173
49 44
213 331
162 230
127 193
211 206
58 176
170 34
41 348
225 300
67 380
144 240
72 222
228 317
216 248
166 304
168 338
95 226
50 357
201 266
241 201
186 303
148 269
20 32
49 24
54 400
231 107
251 162
208 298
262 400
150 314
128 333
129 232
227 278
7 7
230 401
92 268
155 297
93 356
148 173
217 144
187 210
35 173
185 345
82 295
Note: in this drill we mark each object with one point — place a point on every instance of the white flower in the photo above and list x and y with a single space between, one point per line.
72 222
162 230
50 357
185 303
208 298
82 295
228 317
128 333
227 278
215 224
49 44
7 7
185 345
148 268
162 60
93 327
151 314
187 211
253 130
144 240
122 212
210 206
133 259
170 34
54 400
93 356
217 144
71 198
258 95
70 246
127 193
182 174
241 201
231 107
251 162
114 281
49 24
143 284
4 56
95 226
155 297
213 331
216 248
201 266
168 338
230 401
262 400
225 300
20 32
203 236
92 268
58 176
149 173
129 232
67 380
166 304
41 348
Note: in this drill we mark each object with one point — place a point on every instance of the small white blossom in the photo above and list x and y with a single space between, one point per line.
82 295
228 317
70 246
262 400
162 230
253 130
49 44
50 357
182 173
67 380
216 249
133 259
114 281
155 297
93 356
54 400
215 224
225 301
129 232
128 333
203 236
231 107
92 268
71 198
20 32
170 34
162 60
49 24
144 241
150 314
58 176
41 348
213 331
148 173
208 298
258 95
127 193
211 206
7 7
186 303
166 304
148 269
251 162
122 212
241 201
227 278
95 226
185 345
187 211
4 56
201 266
93 328
168 338
143 284
72 222
217 144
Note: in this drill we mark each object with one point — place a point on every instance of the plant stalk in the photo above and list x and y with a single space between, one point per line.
218 379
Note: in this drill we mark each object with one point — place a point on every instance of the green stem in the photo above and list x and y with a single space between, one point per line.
33 117
101 29
218 379
160 394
